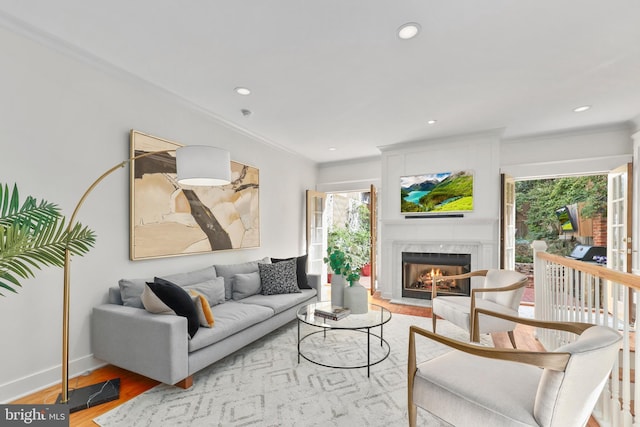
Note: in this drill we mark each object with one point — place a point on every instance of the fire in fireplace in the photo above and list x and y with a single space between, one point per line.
419 269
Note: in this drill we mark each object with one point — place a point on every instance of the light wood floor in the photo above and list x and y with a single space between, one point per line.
132 384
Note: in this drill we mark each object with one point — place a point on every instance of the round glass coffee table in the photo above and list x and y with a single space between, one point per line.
319 343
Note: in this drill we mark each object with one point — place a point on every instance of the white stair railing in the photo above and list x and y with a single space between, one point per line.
570 290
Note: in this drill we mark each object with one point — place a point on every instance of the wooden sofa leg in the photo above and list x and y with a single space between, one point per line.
185 383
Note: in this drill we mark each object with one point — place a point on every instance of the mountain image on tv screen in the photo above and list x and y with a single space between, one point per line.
437 192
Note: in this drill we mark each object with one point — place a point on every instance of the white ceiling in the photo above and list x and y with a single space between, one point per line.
333 73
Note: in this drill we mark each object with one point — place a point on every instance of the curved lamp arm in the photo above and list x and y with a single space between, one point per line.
196 163
67 264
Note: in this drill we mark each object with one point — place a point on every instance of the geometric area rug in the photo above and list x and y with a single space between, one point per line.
262 384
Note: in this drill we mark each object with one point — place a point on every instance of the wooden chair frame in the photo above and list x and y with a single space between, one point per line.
554 361
473 319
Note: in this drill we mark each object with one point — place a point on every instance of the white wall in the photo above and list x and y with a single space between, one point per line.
576 152
62 123
349 175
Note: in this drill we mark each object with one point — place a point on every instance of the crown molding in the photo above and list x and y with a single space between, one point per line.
77 53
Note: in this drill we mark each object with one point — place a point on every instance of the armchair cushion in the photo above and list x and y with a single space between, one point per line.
456 309
499 279
466 389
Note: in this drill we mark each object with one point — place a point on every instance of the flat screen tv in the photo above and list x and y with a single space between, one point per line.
436 193
567 218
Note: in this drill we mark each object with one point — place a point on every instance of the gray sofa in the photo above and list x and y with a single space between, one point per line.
158 346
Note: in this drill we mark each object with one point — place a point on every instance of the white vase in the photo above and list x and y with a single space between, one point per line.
337 289
356 298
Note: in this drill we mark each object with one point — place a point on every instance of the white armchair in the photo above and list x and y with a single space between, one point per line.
501 292
482 386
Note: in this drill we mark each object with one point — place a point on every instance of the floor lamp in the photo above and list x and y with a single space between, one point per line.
196 165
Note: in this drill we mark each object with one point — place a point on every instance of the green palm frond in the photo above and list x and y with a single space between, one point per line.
33 236
31 212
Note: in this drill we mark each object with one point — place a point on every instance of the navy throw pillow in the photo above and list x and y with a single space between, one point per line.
178 300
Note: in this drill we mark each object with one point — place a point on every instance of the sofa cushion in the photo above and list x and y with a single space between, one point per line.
301 270
282 302
245 285
191 277
178 300
231 317
229 270
213 290
279 278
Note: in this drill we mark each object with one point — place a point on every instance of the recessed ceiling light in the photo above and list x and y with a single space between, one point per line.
332 148
408 30
431 122
581 109
242 91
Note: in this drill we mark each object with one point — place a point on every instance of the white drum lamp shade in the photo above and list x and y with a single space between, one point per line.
203 165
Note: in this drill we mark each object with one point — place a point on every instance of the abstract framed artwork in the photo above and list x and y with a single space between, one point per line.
167 219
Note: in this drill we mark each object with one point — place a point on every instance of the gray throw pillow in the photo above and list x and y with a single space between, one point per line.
279 278
245 285
191 277
131 291
213 290
229 270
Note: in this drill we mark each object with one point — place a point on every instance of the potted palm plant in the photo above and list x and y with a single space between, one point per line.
33 235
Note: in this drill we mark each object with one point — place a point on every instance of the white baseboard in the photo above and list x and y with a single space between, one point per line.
37 381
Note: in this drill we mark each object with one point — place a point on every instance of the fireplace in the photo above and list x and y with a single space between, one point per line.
419 269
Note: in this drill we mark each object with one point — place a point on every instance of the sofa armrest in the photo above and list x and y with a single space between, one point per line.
314 281
152 345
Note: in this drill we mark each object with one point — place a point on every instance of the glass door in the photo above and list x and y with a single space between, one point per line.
373 228
316 234
619 234
508 223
